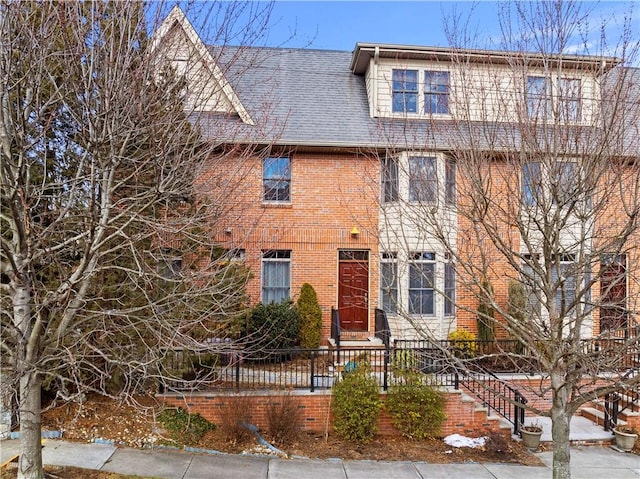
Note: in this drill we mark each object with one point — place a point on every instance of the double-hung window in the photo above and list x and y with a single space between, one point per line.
436 92
170 263
405 91
538 97
569 94
276 276
449 287
450 182
565 174
276 179
423 179
389 180
389 282
563 274
422 267
531 183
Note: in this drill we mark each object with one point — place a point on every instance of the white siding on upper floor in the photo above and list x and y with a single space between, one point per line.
478 92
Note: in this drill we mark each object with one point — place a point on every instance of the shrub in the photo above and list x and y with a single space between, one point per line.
463 343
184 428
485 312
284 420
235 417
403 359
356 405
274 325
310 318
416 409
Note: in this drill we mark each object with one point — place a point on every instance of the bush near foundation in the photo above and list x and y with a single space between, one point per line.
416 408
356 404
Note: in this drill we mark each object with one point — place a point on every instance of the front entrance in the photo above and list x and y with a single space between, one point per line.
353 290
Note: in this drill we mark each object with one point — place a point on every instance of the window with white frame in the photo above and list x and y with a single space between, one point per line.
569 99
405 91
276 276
558 185
422 268
450 182
389 282
449 287
436 92
538 97
389 180
423 179
276 179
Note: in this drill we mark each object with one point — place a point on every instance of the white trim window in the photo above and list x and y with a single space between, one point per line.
538 97
422 271
449 289
276 276
389 179
423 179
276 179
404 91
569 99
436 92
389 282
540 187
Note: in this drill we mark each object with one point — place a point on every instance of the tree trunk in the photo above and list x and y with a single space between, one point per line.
560 428
30 465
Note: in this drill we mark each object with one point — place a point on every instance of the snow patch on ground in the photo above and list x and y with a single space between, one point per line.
456 440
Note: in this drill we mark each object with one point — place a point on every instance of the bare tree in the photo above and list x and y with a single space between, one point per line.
109 260
541 223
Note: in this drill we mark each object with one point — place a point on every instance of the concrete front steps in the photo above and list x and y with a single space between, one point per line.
583 431
594 411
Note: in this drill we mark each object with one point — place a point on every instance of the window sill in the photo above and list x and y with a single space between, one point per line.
276 204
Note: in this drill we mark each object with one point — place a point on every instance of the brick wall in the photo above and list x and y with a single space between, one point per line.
463 417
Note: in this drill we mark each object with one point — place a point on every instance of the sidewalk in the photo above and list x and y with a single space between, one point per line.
586 463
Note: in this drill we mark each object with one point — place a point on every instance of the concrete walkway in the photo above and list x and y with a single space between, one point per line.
586 463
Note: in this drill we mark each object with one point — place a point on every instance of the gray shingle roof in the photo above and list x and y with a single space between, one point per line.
310 97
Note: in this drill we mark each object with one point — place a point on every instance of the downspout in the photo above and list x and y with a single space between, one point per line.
374 83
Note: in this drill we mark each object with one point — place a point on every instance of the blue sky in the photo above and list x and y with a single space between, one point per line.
339 25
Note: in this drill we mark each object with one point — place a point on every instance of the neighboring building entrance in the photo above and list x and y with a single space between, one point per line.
613 296
353 290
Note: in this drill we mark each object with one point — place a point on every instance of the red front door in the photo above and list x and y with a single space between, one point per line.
613 296
353 290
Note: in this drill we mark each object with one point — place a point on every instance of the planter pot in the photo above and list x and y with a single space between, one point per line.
624 440
530 439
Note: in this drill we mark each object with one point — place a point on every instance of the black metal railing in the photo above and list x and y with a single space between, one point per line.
495 394
616 403
382 329
335 327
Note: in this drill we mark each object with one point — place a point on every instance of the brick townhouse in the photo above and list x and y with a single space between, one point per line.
351 172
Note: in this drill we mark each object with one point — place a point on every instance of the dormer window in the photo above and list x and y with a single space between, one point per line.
436 92
405 91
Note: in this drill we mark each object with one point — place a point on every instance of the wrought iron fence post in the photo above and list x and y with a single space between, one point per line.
456 381
237 368
386 368
313 362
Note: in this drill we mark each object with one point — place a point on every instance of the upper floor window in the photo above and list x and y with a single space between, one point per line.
450 182
558 185
276 179
436 92
389 282
538 97
422 267
569 94
405 91
276 276
389 180
423 179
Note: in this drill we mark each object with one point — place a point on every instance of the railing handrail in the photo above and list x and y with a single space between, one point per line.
382 329
499 402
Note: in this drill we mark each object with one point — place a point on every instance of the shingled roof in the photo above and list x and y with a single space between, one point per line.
309 97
